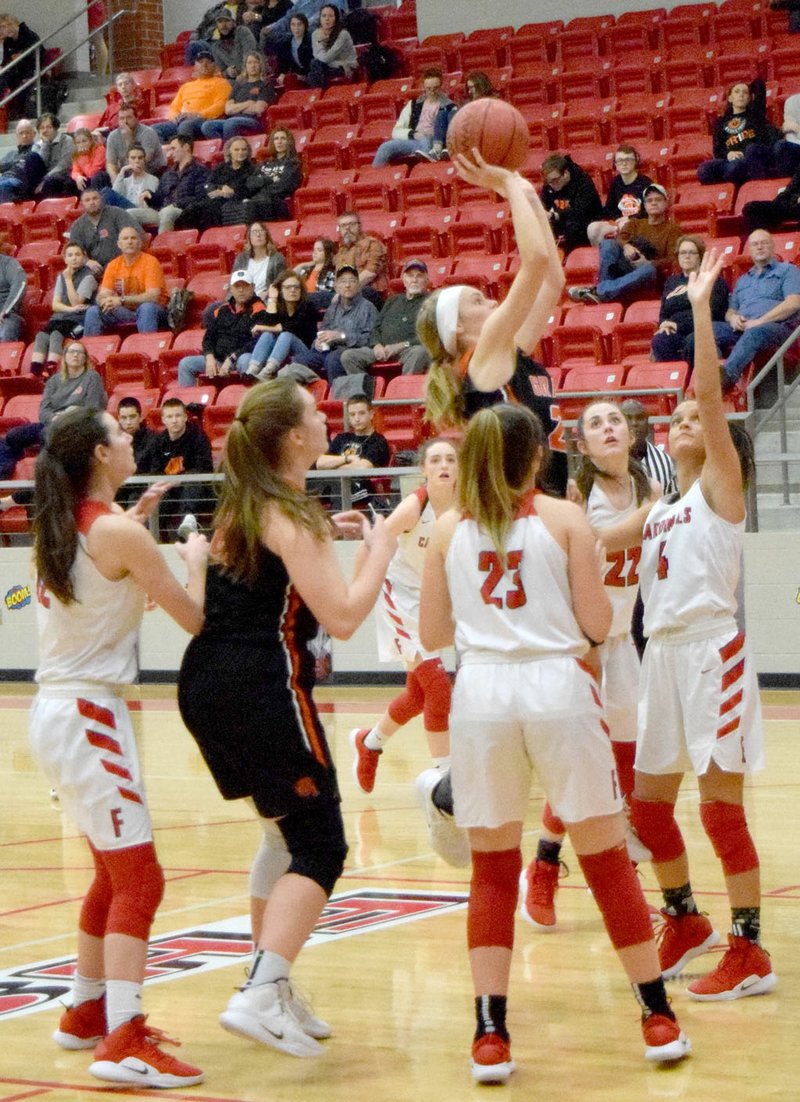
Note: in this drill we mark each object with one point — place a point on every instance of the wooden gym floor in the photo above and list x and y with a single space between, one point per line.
388 965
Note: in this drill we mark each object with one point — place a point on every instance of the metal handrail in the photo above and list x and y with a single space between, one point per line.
38 46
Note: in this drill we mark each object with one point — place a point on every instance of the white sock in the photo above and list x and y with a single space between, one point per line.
268 968
442 764
85 990
376 739
123 1002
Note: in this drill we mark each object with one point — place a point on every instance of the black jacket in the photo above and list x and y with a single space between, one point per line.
230 329
189 454
181 189
574 206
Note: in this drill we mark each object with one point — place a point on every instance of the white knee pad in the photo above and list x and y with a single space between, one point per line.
271 861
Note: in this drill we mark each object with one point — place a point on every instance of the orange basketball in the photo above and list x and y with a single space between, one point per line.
494 127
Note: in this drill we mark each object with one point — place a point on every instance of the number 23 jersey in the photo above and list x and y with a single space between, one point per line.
518 615
690 565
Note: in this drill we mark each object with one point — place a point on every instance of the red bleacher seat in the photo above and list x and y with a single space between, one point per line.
41 227
100 348
402 424
11 354
580 266
23 406
631 339
660 377
577 343
482 271
589 379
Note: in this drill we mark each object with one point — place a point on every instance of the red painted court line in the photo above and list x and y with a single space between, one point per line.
77 898
25 1094
125 1092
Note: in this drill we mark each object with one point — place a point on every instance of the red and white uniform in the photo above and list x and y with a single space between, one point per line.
520 678
698 696
618 657
397 619
80 728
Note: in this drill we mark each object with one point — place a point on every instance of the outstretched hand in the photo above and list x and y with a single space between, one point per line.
144 507
701 283
477 171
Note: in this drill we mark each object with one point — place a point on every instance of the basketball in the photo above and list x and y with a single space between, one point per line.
494 127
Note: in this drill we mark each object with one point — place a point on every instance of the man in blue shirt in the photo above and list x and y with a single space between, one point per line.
764 308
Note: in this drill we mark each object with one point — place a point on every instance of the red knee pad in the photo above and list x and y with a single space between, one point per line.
615 886
493 898
435 684
552 822
94 910
137 884
727 830
654 822
410 702
624 754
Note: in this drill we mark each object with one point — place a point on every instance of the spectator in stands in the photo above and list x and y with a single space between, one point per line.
182 448
478 86
88 161
232 45
13 283
21 169
274 181
126 92
333 48
787 149
76 383
226 191
674 338
244 111
422 125
394 335
743 138
768 214
364 253
17 37
55 147
625 196
207 31
570 199
203 97
73 293
129 415
320 274
642 251
229 338
260 258
98 228
361 447
293 54
290 330
182 186
133 185
764 307
133 289
311 9
347 323
132 132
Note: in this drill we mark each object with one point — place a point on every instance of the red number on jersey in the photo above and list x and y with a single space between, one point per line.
556 438
624 567
489 563
663 561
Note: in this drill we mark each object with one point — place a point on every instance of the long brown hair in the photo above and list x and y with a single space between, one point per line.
250 464
499 449
587 470
63 471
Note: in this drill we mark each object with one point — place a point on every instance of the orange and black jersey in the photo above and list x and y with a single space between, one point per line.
230 331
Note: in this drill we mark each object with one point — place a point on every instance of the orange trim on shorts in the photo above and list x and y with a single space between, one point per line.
293 606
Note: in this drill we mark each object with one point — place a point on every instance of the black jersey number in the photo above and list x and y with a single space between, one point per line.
623 567
489 563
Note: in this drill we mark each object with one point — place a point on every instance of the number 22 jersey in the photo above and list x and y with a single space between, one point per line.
519 615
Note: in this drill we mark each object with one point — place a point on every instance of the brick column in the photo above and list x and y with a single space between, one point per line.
137 38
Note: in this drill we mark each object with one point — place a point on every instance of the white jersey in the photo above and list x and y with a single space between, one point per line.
621 570
524 613
397 611
690 566
94 639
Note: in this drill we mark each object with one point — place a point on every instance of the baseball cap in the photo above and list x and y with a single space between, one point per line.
655 187
241 276
204 54
344 268
224 16
415 262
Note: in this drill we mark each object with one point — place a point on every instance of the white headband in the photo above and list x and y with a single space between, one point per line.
447 315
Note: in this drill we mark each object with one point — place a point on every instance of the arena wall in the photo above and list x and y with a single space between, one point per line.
772 603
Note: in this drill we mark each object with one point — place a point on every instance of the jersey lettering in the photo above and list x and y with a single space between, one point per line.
116 821
623 568
489 563
423 541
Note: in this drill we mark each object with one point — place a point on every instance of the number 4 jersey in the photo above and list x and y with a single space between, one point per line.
518 614
690 565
